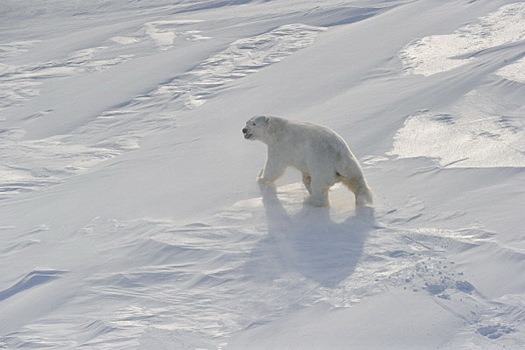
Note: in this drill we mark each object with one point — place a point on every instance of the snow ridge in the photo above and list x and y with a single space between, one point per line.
120 130
440 53
129 211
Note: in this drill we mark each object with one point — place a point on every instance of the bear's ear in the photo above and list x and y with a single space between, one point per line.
264 119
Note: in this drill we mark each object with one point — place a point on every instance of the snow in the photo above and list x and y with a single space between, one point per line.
513 71
440 53
129 212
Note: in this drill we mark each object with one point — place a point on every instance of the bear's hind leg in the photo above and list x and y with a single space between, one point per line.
307 181
318 196
362 193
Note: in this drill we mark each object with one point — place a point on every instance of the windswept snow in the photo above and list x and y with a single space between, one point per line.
165 32
478 129
129 212
242 57
440 53
471 136
514 71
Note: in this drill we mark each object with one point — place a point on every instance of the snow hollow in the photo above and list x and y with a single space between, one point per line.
130 217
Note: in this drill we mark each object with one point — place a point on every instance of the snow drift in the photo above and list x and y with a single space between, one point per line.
129 213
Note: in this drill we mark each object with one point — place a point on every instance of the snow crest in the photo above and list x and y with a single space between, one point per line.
441 53
241 58
119 130
469 136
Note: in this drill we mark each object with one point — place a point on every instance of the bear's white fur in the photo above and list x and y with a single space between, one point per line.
321 155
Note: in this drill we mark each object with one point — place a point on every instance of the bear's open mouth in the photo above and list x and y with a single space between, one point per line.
247 135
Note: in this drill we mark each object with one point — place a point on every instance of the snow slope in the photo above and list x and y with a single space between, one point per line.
129 213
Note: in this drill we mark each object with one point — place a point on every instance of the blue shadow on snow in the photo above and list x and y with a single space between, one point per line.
311 243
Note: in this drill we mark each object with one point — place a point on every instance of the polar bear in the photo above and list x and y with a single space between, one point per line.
320 154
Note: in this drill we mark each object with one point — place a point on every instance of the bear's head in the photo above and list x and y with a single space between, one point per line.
257 128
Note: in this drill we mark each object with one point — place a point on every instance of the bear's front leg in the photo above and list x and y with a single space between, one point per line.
272 171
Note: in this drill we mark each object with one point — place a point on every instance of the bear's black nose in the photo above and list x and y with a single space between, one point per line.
244 131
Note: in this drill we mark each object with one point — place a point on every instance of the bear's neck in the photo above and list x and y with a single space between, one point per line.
275 132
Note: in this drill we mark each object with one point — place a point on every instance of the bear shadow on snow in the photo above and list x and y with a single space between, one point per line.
311 243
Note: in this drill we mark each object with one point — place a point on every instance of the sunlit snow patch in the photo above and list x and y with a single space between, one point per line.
124 40
163 33
462 142
474 133
15 48
440 53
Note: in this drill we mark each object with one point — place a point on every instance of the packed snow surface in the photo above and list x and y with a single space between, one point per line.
130 217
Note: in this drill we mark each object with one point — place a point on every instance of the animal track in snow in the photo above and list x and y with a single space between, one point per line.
495 331
410 259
